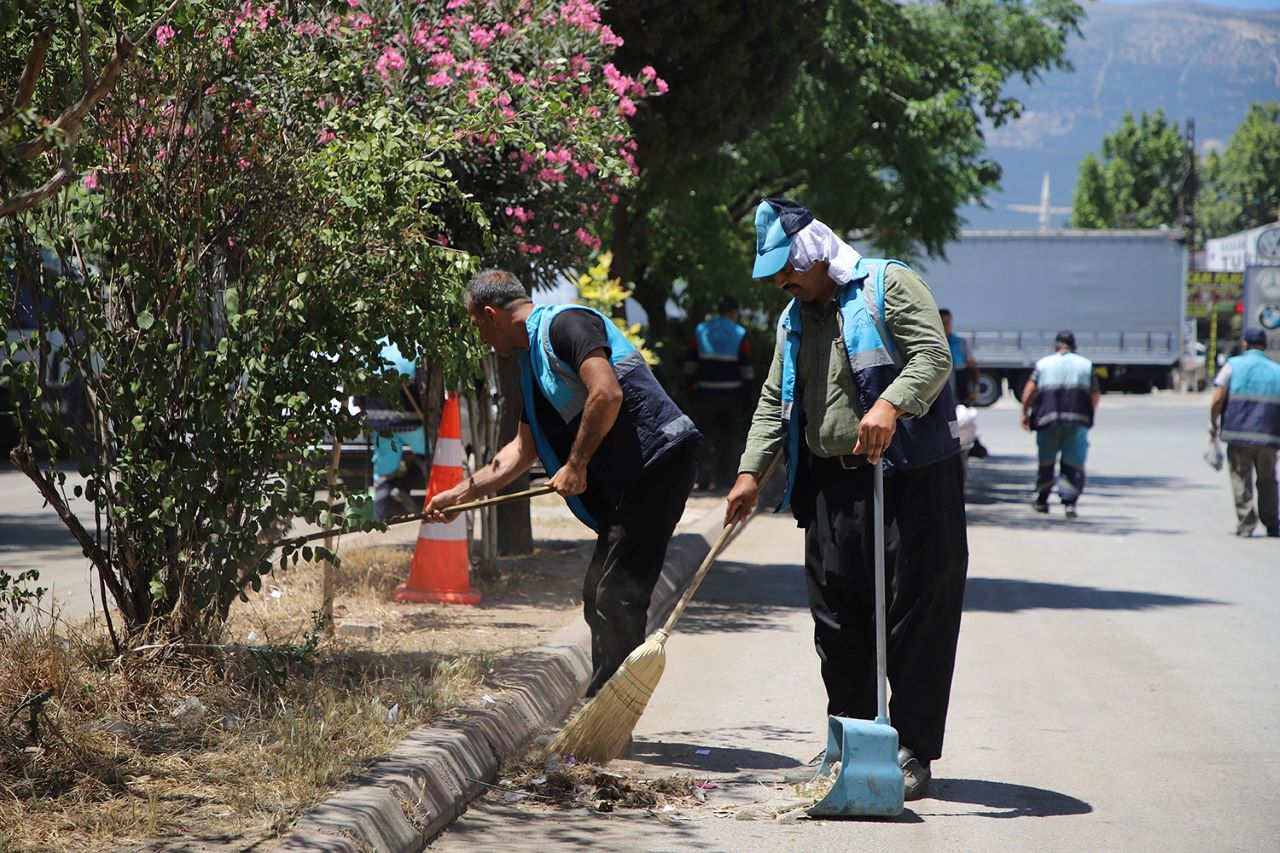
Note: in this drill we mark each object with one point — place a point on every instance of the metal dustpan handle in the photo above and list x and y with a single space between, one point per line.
882 678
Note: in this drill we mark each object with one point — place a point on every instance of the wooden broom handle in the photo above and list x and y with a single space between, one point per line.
725 535
419 516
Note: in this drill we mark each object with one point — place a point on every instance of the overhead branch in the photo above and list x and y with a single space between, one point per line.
68 124
35 64
27 200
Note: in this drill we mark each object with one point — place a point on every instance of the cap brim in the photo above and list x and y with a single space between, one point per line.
771 261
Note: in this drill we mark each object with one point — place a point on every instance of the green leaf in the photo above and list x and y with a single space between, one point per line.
146 320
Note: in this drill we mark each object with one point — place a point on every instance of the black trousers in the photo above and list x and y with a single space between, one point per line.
628 558
926 560
723 421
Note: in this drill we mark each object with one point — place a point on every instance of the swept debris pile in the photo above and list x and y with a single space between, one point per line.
569 785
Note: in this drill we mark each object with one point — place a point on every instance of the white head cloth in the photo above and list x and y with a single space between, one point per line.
816 242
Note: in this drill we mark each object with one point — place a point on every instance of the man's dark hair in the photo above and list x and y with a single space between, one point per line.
944 312
497 289
727 304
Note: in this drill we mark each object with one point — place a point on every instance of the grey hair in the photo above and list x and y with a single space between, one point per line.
495 288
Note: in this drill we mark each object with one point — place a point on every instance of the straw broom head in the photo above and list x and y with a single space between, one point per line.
600 730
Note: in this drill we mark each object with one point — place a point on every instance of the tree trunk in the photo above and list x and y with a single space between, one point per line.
514 522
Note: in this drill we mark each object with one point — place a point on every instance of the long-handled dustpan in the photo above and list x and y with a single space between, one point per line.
869 782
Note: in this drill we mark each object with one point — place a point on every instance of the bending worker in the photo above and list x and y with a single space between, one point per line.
859 378
719 370
614 445
1246 397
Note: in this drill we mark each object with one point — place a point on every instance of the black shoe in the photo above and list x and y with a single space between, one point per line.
1274 532
1070 510
915 775
977 451
1039 506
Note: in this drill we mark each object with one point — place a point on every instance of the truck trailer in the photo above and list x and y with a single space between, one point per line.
1122 293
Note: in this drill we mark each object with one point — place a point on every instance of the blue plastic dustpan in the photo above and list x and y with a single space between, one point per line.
870 782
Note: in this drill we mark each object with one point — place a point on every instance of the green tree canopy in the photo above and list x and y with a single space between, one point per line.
1240 188
880 133
1139 180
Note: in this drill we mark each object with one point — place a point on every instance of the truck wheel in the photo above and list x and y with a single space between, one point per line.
988 389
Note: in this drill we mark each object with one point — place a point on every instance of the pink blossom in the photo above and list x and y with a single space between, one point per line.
502 28
439 80
616 80
90 181
551 176
587 239
481 37
164 34
661 85
515 77
353 3
648 72
443 59
391 60
608 38
326 136
243 164
626 107
530 248
456 4
518 213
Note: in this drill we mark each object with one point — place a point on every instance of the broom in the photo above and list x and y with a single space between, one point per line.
600 730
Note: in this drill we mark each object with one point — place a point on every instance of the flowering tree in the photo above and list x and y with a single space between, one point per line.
262 193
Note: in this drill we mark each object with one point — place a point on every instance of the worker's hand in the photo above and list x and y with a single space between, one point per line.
876 430
569 481
436 510
1026 421
1213 430
742 498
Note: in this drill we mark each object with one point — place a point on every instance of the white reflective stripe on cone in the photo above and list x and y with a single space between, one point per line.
451 531
448 453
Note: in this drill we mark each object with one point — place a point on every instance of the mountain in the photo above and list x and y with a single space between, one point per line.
1192 60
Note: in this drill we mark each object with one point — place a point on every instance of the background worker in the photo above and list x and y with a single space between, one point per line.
964 382
840 398
1246 399
1058 404
719 371
398 444
614 445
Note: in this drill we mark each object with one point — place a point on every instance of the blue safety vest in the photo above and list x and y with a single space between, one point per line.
876 363
1064 391
649 424
959 351
1252 414
719 343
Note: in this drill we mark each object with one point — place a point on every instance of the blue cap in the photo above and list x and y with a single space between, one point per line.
777 221
1255 336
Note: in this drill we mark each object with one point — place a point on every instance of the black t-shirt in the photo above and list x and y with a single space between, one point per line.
574 335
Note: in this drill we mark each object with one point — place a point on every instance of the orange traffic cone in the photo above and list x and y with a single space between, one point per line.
441 569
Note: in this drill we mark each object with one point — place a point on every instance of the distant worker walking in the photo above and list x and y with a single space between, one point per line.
1058 403
1246 400
719 370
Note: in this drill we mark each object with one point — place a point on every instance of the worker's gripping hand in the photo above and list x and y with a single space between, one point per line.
569 481
876 431
1026 421
742 498
436 510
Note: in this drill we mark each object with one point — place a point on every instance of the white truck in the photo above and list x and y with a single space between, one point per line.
1122 293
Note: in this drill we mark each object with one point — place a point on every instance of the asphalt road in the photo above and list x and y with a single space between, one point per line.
1116 689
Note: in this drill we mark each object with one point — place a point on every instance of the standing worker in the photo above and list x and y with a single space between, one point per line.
718 367
1246 397
964 370
864 385
614 445
1058 403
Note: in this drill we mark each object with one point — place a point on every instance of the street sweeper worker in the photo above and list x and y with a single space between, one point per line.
613 444
860 378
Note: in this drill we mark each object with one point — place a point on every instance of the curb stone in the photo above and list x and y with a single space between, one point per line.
403 801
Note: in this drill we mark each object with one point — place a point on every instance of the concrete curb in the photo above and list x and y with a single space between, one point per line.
403 801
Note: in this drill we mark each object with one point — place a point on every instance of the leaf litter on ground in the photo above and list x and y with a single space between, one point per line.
574 786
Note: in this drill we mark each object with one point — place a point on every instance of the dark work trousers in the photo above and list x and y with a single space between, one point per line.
926 560
722 420
628 558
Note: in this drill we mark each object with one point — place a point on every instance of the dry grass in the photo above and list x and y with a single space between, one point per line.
109 763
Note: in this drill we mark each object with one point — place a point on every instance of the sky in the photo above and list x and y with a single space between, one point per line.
1234 4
